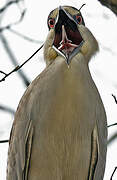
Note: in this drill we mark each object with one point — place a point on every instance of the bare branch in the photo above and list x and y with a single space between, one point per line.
19 67
82 6
112 125
114 98
3 79
7 109
113 173
4 141
111 4
13 59
17 22
112 138
2 72
8 4
20 19
24 37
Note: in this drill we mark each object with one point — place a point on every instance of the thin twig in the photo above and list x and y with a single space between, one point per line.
19 67
8 4
2 72
30 56
7 109
82 6
13 59
114 98
113 173
20 19
112 138
4 141
111 4
112 125
15 23
24 37
8 27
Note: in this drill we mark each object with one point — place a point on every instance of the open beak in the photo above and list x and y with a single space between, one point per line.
67 40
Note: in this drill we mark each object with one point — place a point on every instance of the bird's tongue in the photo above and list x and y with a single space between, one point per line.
66 45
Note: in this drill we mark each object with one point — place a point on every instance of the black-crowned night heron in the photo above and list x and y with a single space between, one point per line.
60 131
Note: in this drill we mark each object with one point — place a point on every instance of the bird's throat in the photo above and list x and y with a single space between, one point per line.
66 45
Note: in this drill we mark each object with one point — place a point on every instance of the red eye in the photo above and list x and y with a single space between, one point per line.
79 19
51 23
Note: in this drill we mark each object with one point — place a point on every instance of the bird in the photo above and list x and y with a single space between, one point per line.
60 126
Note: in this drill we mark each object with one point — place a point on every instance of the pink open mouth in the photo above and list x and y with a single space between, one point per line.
67 40
66 45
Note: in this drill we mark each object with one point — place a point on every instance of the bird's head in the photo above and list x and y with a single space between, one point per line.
68 36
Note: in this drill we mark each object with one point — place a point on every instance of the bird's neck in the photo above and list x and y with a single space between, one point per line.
76 72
